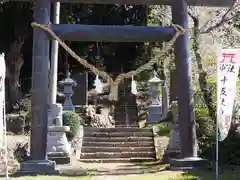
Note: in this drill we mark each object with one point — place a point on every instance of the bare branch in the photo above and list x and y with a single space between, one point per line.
194 18
223 20
196 34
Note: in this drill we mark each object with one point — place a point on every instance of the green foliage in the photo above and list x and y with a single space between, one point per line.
206 133
165 125
73 120
205 125
163 129
228 149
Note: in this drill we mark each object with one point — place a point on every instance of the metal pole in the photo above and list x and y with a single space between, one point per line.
86 85
188 140
217 133
40 83
54 57
217 151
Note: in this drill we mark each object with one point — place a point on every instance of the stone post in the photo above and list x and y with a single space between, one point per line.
173 149
155 109
58 147
68 85
165 103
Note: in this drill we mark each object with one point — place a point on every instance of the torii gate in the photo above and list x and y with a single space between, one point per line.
76 32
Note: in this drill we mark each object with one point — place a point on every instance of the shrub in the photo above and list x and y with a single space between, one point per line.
15 123
205 124
165 125
73 120
70 118
164 129
206 133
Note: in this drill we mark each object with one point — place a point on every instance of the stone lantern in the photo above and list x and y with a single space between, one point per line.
68 85
155 109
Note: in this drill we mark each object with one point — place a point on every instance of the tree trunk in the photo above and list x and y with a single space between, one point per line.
14 63
202 77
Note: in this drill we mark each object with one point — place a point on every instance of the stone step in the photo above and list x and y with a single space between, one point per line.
119 125
103 155
117 160
92 149
120 129
117 134
118 144
118 139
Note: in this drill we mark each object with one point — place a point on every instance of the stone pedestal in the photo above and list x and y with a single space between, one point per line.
58 147
37 167
155 109
154 114
173 150
190 163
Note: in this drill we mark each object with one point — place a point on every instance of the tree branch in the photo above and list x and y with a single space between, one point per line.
196 36
223 20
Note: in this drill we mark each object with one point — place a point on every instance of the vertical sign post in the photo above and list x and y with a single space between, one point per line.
3 127
227 72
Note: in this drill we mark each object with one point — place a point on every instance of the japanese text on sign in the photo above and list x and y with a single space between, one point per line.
228 67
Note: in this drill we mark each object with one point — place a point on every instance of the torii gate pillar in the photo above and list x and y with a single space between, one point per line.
184 77
188 139
39 163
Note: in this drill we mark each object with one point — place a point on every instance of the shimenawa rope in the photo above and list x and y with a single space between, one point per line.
113 95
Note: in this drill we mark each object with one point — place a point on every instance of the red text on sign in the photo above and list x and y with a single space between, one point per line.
228 56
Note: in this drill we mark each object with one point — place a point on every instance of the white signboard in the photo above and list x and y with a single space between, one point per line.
227 66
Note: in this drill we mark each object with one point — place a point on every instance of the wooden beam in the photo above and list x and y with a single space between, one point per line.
212 3
116 33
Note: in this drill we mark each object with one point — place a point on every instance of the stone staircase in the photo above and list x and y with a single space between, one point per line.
122 144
